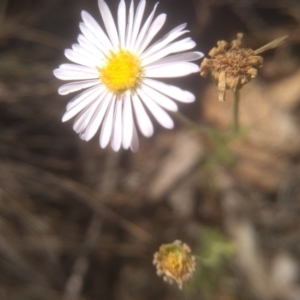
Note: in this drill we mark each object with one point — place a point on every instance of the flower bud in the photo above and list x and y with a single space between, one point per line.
175 262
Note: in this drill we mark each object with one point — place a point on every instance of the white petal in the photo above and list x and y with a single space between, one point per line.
145 28
127 122
96 105
84 117
170 90
107 125
97 118
78 58
76 86
117 127
153 30
160 115
78 68
179 46
129 24
97 38
78 98
143 120
137 22
172 70
73 75
122 22
159 98
88 46
186 56
95 29
135 140
81 51
168 38
81 101
109 24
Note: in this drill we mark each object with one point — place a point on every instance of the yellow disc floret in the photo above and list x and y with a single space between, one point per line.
122 71
175 262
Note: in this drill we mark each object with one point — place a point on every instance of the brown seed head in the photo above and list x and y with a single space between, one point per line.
175 262
230 66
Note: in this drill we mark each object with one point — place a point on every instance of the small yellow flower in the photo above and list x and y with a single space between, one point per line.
175 262
231 66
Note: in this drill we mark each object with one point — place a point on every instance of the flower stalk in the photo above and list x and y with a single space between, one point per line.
235 111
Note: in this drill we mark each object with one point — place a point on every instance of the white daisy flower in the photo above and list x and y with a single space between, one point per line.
118 71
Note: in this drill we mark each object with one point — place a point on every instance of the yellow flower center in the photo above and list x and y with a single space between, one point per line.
122 72
173 264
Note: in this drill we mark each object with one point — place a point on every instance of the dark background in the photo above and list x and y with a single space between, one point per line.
79 222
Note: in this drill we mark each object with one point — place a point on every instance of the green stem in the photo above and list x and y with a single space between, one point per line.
235 111
196 127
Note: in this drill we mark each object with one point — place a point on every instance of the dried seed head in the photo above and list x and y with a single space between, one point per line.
175 262
231 66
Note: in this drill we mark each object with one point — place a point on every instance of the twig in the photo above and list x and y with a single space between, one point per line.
34 159
82 194
33 35
75 282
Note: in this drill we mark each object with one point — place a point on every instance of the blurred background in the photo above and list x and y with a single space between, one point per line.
78 222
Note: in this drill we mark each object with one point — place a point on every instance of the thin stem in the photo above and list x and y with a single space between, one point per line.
193 125
235 111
